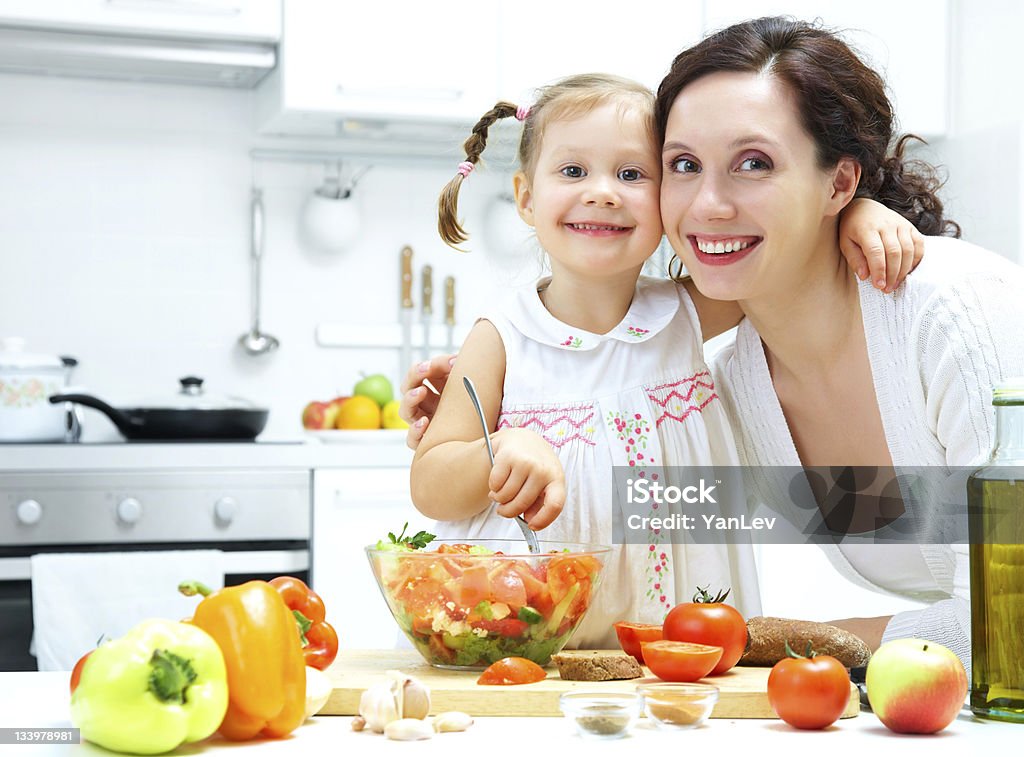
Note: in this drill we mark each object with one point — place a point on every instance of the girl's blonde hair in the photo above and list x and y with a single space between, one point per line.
567 98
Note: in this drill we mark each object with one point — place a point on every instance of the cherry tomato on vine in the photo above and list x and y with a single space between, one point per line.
808 692
709 621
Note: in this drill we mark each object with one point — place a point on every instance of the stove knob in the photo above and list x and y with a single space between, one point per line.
29 512
129 510
224 509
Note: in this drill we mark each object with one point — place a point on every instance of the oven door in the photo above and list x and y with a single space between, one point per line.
242 562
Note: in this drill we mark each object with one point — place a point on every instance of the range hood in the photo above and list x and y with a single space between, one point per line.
138 58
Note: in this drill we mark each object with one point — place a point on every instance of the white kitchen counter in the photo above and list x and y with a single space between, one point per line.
387 450
41 700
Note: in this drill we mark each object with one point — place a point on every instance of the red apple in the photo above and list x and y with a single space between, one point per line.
332 411
314 415
915 686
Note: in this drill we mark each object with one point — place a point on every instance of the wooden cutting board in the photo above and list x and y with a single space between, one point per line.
742 691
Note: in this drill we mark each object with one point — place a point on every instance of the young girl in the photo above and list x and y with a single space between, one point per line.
593 367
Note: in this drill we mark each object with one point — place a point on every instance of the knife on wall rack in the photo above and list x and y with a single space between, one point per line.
449 312
426 307
405 311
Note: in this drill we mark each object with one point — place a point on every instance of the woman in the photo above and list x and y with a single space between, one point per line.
826 370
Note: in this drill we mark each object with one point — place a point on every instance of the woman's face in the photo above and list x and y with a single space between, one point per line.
745 204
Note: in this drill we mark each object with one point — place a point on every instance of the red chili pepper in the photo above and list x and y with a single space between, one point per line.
319 639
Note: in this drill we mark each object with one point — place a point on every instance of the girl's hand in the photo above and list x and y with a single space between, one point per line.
527 478
418 403
879 243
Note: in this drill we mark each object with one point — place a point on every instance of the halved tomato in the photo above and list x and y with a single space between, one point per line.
512 670
680 660
632 635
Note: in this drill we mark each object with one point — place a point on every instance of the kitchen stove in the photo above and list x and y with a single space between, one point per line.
252 500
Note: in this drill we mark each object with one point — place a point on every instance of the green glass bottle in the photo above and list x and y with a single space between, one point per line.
995 499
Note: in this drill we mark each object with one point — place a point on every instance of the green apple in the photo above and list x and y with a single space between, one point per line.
377 387
915 686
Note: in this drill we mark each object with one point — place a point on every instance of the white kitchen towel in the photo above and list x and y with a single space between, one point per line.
79 597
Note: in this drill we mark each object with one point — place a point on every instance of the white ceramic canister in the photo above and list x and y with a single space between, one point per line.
26 382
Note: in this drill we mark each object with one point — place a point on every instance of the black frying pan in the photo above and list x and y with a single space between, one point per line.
178 424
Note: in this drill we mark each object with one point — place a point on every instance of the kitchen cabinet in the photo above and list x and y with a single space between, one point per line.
540 41
248 20
352 508
344 68
907 42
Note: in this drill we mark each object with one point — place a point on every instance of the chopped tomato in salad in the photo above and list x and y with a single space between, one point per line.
463 609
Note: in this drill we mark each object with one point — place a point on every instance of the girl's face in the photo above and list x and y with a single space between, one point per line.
593 196
745 204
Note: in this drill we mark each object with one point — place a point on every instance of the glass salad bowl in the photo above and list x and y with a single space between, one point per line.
466 605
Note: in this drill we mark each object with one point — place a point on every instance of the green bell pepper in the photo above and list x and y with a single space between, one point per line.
160 685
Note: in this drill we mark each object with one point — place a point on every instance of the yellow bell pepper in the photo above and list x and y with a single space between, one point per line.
160 685
266 669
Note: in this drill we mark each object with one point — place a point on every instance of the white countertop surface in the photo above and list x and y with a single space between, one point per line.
30 700
373 449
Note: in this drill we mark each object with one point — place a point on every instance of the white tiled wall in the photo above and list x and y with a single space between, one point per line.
124 241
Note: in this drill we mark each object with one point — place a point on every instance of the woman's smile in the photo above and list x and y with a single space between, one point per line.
722 250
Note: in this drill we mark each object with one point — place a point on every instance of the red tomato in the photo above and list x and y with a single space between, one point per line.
679 660
512 670
631 635
474 586
809 692
507 586
76 672
707 621
510 627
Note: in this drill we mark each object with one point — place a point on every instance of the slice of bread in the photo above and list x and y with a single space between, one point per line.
596 665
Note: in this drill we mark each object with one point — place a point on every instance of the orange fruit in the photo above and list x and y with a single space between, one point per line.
358 413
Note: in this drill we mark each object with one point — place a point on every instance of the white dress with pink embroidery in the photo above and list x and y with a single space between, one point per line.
638 396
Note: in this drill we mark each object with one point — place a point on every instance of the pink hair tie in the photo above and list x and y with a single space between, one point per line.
465 168
522 112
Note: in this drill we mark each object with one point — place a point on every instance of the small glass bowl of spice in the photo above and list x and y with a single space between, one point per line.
677 706
601 715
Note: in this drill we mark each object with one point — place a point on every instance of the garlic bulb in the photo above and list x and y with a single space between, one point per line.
401 697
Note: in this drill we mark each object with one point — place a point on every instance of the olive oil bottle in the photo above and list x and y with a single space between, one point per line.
995 497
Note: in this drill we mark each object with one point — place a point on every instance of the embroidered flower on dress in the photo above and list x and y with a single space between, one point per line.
573 341
637 331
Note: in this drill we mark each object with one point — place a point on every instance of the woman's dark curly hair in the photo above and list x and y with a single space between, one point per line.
842 103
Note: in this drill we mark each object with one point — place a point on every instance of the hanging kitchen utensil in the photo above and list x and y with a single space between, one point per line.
26 382
254 342
449 313
426 309
528 533
189 415
405 311
330 217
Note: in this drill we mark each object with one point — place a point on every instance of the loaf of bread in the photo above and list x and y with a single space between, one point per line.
596 665
767 637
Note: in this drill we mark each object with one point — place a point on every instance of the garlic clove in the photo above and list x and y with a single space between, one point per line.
448 722
378 706
415 699
408 729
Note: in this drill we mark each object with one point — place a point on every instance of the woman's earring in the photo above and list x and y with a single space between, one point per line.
675 267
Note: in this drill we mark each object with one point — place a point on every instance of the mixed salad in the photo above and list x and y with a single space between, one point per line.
468 606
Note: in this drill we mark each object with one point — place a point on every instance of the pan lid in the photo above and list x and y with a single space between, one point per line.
13 355
192 396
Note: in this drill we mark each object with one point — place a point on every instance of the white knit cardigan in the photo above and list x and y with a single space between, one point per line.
936 346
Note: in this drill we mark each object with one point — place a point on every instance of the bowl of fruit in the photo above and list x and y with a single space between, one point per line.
467 605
